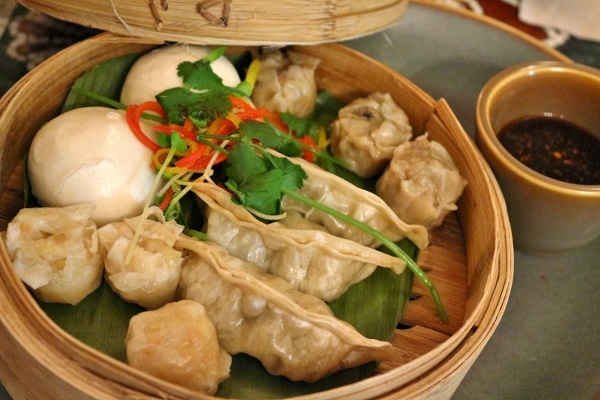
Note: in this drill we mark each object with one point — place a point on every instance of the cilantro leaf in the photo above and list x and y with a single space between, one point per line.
271 137
199 75
204 106
301 126
244 161
261 192
293 174
258 180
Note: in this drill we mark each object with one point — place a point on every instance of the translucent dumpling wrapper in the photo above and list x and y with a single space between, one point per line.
178 343
141 264
303 253
55 251
367 131
362 205
286 83
422 182
292 334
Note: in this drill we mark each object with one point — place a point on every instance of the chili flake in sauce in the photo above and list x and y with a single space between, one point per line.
554 147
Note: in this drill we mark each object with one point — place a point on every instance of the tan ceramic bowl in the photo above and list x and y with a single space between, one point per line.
546 215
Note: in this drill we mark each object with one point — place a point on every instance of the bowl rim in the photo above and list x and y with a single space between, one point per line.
486 137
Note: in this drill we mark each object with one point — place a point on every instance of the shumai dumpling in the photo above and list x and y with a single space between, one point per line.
367 131
55 252
141 265
178 343
422 183
286 83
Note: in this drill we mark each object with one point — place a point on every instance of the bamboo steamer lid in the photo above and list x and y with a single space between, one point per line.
230 22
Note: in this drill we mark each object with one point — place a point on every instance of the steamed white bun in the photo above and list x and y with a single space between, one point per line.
90 155
156 72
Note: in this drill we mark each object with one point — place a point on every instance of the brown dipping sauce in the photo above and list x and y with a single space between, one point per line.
554 147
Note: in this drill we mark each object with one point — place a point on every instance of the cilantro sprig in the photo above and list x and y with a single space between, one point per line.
259 181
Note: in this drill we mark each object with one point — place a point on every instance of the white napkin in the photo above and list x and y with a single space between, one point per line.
578 17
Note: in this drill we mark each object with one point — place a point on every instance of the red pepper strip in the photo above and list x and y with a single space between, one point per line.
310 142
190 159
251 113
275 119
225 128
203 162
183 132
188 124
133 115
167 199
238 102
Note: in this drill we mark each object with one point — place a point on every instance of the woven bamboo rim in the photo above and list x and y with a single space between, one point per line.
244 22
478 267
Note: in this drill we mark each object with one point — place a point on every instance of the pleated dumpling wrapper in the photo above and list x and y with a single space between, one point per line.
367 131
141 264
422 182
291 333
55 252
178 343
303 253
337 193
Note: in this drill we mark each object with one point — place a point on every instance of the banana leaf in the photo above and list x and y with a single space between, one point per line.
373 306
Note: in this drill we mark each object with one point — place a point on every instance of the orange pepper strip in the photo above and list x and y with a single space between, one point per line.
167 199
133 115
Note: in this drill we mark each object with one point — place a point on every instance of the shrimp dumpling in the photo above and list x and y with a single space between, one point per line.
286 83
367 131
178 343
422 183
147 272
55 252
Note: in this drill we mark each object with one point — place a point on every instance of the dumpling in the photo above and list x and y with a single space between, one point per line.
337 193
141 264
178 343
292 334
422 183
303 253
286 83
55 252
367 131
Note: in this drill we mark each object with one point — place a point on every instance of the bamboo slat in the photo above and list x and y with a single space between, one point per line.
470 258
246 22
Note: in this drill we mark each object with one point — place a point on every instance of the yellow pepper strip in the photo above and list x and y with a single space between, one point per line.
252 74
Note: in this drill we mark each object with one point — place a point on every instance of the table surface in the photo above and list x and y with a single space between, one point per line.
547 344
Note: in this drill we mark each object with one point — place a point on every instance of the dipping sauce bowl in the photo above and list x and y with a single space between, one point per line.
547 214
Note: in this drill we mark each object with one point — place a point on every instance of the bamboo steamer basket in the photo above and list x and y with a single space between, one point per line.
260 22
470 258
